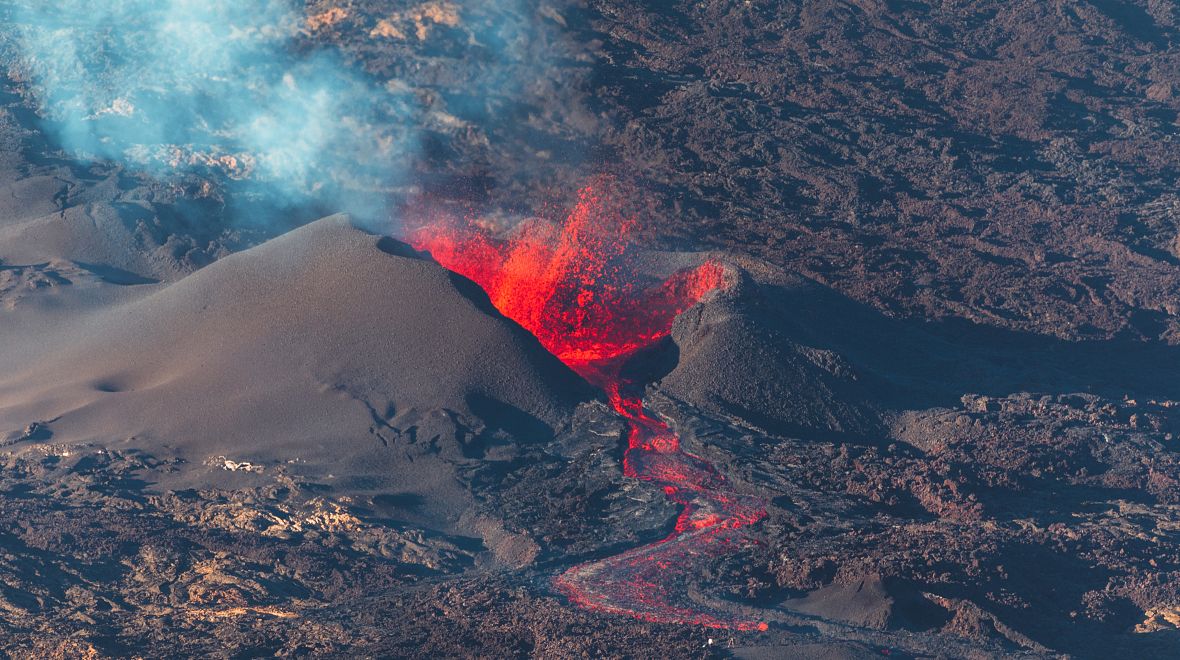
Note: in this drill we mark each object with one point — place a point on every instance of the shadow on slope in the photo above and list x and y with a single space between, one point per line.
795 358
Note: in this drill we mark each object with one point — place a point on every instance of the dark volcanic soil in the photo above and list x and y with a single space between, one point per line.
947 367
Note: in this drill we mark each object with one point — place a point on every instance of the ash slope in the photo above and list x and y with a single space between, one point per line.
321 348
741 356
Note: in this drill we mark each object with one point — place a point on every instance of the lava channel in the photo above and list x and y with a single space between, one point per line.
569 285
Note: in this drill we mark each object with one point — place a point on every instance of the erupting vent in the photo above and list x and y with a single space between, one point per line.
570 286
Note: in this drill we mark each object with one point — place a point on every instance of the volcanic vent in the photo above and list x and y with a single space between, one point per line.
570 285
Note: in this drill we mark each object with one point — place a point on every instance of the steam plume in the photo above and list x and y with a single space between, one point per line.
221 88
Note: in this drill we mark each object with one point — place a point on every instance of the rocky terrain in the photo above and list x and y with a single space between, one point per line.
945 366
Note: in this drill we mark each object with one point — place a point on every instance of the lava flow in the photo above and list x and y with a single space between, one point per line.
570 287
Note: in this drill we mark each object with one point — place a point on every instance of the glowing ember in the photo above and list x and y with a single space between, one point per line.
570 286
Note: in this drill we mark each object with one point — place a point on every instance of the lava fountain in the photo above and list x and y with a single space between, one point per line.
569 285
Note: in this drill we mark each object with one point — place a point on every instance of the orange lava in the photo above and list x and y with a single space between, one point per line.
571 286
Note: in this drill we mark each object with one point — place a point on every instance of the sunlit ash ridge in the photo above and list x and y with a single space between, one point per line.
571 285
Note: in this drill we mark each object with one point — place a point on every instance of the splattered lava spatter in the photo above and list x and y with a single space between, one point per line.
570 285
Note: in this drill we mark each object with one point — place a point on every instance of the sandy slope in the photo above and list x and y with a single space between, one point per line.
330 347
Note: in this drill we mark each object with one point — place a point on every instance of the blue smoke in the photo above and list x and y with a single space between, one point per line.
217 88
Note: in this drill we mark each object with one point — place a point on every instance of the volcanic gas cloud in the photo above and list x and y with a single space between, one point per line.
570 285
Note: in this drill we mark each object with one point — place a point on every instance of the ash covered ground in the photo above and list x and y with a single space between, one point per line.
943 365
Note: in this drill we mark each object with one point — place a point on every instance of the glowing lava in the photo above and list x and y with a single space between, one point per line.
570 286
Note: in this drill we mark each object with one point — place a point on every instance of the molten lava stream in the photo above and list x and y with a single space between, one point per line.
648 581
568 286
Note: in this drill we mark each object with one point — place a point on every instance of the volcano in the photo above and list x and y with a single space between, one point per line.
256 359
570 285
568 329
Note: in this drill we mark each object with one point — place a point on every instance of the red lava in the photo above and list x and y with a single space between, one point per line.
569 285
